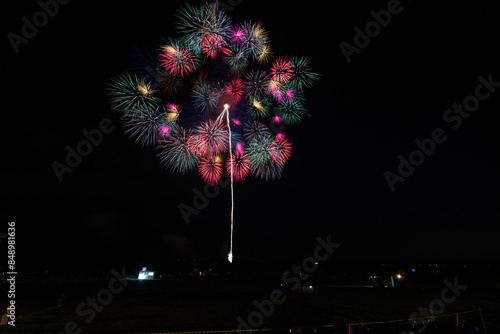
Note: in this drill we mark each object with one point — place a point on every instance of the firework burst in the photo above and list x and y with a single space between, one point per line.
205 97
174 151
282 70
210 138
210 169
303 74
257 83
197 22
281 149
148 128
255 129
131 95
257 41
292 112
264 157
169 84
176 60
213 44
236 59
240 166
208 97
259 108
235 88
238 35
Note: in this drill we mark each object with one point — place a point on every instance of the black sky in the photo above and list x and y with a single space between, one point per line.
121 205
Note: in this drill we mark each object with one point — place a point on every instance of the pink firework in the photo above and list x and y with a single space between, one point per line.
239 148
164 131
280 136
240 165
282 70
275 90
238 35
177 60
281 149
210 138
210 169
290 94
235 88
172 107
277 120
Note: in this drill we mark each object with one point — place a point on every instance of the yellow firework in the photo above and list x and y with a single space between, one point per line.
258 105
265 54
144 88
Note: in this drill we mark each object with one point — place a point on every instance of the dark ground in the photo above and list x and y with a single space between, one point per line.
197 303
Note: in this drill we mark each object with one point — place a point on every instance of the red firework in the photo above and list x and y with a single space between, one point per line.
212 44
210 138
282 70
240 164
235 88
281 149
210 169
177 60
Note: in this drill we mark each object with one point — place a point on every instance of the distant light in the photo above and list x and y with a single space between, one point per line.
399 276
146 274
310 286
413 270
144 269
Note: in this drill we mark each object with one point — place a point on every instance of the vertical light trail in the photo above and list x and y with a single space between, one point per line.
226 111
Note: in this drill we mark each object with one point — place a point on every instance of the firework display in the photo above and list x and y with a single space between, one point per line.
210 100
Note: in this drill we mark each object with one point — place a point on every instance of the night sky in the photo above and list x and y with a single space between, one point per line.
120 205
